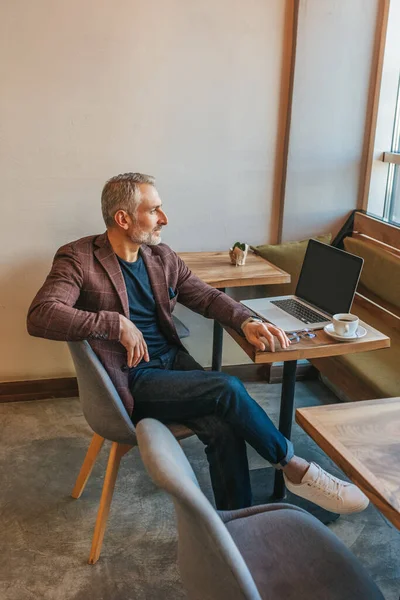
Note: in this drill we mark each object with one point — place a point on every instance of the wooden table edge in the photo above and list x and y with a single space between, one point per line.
250 281
348 405
336 451
267 357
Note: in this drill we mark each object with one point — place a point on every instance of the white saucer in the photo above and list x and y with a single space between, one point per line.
360 333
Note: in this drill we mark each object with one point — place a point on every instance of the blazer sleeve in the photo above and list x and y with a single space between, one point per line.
52 314
208 301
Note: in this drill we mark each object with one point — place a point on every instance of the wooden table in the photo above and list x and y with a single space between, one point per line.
215 269
320 346
363 438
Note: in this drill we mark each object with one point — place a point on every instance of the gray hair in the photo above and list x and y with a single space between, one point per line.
122 193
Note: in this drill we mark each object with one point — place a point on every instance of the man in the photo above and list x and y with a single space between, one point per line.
118 290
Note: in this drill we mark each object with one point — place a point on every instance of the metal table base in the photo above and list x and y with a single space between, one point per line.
217 344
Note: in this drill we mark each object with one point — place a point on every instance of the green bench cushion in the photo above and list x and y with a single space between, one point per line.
380 369
289 257
381 270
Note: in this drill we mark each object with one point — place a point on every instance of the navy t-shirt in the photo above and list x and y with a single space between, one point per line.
142 306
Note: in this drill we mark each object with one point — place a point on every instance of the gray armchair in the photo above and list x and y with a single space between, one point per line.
107 416
271 552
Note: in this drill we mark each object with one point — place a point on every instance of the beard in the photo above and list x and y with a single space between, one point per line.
142 237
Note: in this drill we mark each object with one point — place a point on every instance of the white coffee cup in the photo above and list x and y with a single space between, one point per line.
345 324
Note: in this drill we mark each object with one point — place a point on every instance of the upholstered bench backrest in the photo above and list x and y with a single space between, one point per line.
381 271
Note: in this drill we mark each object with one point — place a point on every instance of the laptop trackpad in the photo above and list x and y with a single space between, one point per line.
274 315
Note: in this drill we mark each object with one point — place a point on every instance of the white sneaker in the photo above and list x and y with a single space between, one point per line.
328 491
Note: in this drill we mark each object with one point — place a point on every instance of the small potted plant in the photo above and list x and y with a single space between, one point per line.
238 253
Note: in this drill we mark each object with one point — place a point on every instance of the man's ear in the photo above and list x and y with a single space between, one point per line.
122 219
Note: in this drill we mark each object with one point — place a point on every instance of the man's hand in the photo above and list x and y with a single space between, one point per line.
132 339
255 331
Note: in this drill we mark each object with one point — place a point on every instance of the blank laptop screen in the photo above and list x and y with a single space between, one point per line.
329 277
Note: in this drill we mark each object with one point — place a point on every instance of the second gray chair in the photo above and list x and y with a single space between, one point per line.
270 552
107 416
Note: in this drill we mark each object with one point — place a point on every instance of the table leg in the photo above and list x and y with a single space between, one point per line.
217 344
285 427
285 417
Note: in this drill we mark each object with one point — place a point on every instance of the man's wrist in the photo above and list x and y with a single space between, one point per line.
250 320
121 326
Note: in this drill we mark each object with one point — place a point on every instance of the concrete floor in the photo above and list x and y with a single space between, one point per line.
46 535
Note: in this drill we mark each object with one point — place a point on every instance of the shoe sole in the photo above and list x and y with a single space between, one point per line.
347 512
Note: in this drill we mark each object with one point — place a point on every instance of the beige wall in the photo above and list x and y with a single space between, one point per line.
188 91
192 92
335 48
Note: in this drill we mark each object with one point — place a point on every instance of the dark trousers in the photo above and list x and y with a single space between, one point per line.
218 409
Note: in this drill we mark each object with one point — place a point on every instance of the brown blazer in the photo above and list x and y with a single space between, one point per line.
85 293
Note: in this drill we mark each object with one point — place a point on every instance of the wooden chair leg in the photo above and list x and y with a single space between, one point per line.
116 453
90 458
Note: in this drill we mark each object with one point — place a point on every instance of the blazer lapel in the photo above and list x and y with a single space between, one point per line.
158 282
107 257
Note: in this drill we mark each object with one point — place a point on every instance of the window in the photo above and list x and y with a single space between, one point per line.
391 208
384 185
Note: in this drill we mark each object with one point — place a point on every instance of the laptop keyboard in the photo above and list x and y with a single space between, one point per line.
298 310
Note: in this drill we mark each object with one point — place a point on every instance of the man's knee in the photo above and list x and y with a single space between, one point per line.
229 384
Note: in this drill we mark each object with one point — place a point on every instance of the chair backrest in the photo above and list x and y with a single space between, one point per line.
211 565
101 403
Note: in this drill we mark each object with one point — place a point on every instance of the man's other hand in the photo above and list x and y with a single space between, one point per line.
132 339
254 331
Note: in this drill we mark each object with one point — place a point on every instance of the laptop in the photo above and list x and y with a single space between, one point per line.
326 286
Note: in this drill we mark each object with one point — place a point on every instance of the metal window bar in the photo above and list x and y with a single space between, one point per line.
393 208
